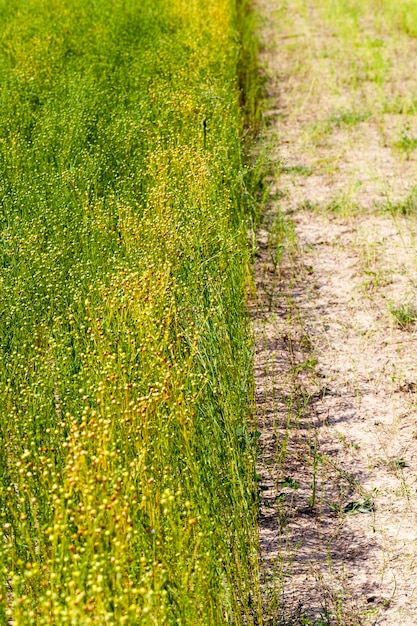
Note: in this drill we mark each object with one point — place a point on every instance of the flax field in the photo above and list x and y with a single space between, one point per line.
127 478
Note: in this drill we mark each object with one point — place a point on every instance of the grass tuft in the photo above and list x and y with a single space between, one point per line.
405 315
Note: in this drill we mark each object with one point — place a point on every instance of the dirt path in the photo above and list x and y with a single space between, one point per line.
336 273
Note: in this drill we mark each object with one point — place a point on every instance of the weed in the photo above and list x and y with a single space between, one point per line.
316 460
344 441
397 464
289 482
302 170
345 118
407 206
358 506
407 143
405 315
300 618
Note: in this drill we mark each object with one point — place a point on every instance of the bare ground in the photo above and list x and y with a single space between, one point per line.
334 320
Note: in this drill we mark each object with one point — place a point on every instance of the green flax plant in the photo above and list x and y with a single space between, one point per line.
126 496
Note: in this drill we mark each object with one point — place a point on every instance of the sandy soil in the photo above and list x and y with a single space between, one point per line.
336 335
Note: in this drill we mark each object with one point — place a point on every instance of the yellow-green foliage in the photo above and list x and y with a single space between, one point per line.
389 15
126 466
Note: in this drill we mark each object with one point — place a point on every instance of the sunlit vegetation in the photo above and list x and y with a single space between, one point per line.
126 462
